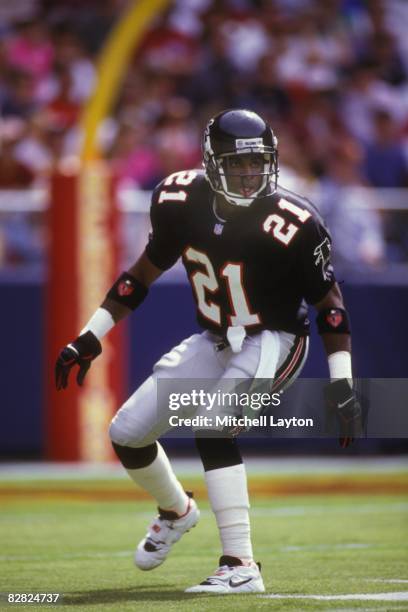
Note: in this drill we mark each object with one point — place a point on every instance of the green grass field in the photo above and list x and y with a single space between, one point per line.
77 538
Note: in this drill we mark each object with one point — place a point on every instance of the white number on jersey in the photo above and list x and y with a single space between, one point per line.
301 213
177 178
233 272
279 228
203 281
207 281
276 224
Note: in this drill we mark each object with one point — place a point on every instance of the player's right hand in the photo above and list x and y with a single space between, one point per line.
79 352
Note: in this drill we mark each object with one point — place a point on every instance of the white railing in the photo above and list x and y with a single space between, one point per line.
18 208
132 200
137 201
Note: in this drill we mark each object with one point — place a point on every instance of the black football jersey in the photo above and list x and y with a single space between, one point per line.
257 269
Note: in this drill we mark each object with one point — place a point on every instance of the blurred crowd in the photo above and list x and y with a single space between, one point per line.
331 77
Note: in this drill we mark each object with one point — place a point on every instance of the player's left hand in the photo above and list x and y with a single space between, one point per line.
79 352
343 404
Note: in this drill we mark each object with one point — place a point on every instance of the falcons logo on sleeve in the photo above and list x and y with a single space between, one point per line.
322 257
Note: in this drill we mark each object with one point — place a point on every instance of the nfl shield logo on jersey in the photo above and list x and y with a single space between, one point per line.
218 227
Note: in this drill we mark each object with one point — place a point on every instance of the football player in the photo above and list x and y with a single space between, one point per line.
256 255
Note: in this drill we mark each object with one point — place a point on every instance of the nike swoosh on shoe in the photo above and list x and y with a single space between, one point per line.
234 584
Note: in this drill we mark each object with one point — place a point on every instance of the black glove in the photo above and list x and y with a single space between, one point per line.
344 409
81 352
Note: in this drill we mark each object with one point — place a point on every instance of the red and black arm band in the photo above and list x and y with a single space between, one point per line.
127 291
333 321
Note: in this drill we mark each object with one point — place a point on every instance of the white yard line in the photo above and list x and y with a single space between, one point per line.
323 547
376 609
331 509
125 553
192 466
388 580
285 511
52 558
398 596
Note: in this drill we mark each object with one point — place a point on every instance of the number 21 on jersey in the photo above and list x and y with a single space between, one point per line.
206 281
277 226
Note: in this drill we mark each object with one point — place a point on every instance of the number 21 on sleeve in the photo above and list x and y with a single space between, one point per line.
177 178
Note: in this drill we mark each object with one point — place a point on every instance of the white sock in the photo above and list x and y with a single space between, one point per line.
228 495
160 481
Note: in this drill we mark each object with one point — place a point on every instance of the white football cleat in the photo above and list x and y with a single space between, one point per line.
232 577
166 530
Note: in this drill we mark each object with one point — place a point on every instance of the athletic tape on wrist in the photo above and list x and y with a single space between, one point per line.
99 324
128 291
340 365
333 321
